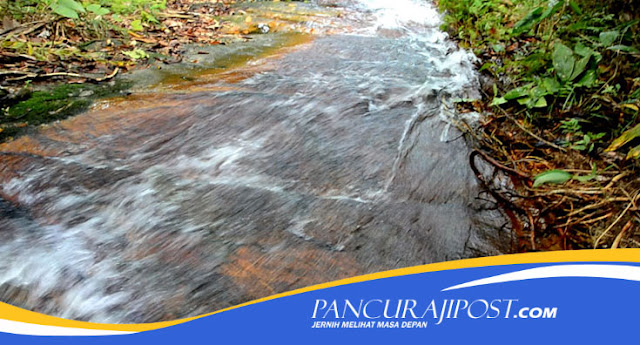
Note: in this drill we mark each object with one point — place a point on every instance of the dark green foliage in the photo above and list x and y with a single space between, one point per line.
557 61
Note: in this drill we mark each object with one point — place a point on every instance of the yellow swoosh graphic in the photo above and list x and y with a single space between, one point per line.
9 312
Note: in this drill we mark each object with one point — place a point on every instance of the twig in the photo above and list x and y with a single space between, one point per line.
26 75
616 179
592 206
36 25
612 225
584 221
14 55
497 164
570 191
616 242
531 133
110 76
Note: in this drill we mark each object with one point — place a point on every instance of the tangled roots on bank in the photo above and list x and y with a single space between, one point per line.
600 211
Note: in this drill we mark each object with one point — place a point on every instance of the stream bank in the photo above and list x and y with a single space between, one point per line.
560 104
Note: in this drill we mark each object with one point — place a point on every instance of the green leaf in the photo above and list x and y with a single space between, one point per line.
518 92
498 101
608 37
624 139
136 54
552 176
97 9
563 61
147 17
551 85
136 25
498 48
589 177
540 103
579 67
634 153
528 21
72 4
623 48
487 65
67 8
583 50
551 10
64 11
574 7
588 79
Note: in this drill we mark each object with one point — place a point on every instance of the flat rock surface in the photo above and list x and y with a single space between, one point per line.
330 161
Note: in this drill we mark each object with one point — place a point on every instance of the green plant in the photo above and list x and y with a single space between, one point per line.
626 138
67 8
136 54
557 176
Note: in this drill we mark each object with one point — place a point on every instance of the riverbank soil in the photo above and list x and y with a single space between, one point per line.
58 56
561 91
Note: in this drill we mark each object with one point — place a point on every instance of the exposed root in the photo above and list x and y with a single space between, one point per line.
600 213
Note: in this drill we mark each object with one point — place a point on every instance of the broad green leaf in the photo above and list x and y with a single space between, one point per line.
584 51
136 54
136 25
72 4
551 85
538 92
552 176
518 92
525 101
540 103
625 138
588 79
580 66
563 61
608 37
64 11
97 9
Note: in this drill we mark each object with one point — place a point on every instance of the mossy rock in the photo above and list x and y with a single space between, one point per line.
54 103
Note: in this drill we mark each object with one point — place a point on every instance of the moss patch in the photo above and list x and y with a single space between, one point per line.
54 103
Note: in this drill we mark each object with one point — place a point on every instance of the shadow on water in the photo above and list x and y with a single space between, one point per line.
319 163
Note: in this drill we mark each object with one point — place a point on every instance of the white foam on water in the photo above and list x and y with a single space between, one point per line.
397 14
63 259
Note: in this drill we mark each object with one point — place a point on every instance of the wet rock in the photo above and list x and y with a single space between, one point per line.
327 162
14 294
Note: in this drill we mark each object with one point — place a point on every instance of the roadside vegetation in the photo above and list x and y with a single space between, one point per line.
561 85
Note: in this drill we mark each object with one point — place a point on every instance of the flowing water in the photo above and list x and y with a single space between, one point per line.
325 161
